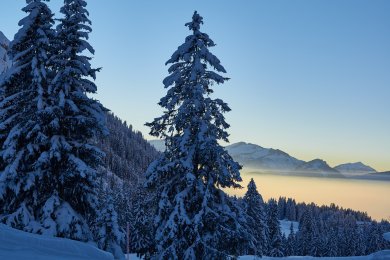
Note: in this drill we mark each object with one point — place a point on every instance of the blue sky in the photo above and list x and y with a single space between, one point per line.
311 78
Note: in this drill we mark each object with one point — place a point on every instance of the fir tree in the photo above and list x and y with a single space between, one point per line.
24 180
254 208
195 218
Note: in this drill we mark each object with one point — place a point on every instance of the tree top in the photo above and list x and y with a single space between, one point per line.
197 20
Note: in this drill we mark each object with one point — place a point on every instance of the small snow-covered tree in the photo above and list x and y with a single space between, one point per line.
24 200
109 236
275 245
195 218
257 219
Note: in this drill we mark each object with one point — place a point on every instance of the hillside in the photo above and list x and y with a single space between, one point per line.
128 154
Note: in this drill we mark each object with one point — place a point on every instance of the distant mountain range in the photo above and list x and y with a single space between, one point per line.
5 62
276 161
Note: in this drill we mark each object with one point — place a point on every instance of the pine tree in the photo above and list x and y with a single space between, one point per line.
275 248
195 218
257 219
24 180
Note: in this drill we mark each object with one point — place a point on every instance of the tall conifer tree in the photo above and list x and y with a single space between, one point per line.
48 124
195 219
24 180
77 120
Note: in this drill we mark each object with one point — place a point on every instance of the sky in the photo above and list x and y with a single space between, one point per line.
311 78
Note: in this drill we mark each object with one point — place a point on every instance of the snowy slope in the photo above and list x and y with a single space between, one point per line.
357 168
19 245
387 236
285 226
4 60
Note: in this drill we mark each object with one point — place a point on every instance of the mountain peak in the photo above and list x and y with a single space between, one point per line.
356 168
316 166
252 155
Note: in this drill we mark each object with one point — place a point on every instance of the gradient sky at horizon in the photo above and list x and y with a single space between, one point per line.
311 78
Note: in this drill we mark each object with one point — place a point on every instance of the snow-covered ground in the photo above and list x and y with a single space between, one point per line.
19 245
381 255
387 236
285 226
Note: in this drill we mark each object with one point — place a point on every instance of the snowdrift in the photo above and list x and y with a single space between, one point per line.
19 245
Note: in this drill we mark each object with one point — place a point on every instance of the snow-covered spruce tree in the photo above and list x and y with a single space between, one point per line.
195 218
257 219
24 180
275 245
48 184
76 120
